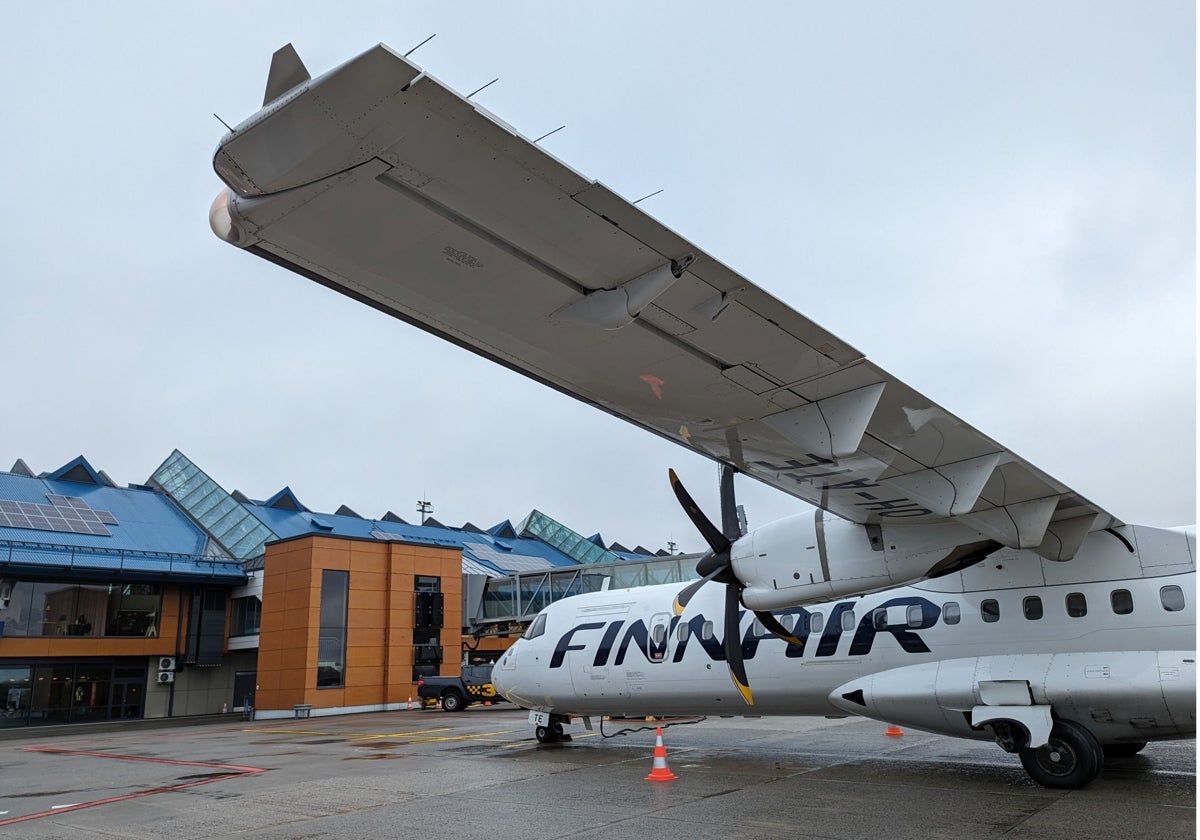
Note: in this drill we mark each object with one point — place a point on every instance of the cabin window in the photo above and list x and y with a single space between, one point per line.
788 622
659 633
706 631
1032 607
848 621
951 612
537 628
879 619
916 616
682 633
816 622
1076 605
989 610
757 629
1172 598
1122 601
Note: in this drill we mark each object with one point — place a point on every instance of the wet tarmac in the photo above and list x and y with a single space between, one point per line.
480 774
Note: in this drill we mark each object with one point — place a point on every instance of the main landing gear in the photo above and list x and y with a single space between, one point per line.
1071 759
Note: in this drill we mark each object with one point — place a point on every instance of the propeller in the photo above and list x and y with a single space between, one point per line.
717 565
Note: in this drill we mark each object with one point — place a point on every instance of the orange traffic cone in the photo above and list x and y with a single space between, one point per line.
660 771
894 731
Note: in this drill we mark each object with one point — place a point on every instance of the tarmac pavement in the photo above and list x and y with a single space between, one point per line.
480 774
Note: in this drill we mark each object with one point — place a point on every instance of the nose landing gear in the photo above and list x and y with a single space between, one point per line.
551 730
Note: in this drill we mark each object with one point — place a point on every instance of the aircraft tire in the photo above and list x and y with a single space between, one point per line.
1071 759
1125 750
552 734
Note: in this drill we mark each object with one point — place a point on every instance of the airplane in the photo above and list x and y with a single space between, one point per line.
943 582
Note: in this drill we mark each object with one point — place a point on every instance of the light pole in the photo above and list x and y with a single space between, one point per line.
424 507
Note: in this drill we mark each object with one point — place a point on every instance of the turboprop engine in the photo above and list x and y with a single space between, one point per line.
815 557
811 557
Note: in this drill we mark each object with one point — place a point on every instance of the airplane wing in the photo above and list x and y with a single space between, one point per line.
380 182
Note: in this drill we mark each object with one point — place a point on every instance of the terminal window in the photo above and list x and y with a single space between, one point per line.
42 608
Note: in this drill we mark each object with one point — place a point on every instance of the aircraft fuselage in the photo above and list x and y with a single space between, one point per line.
1116 652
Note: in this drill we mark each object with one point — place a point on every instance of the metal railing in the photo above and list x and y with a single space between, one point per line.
56 557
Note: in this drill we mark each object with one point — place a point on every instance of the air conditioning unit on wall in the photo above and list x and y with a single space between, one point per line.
165 677
166 663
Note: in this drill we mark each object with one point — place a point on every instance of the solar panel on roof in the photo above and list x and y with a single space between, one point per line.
64 514
473 567
509 562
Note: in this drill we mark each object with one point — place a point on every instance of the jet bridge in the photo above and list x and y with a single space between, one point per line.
503 606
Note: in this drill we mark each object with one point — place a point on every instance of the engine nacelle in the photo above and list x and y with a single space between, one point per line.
809 558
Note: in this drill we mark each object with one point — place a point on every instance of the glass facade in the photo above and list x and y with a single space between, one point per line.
237 530
40 608
33 693
331 640
523 596
578 548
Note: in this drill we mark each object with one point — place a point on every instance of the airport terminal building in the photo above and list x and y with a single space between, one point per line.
175 597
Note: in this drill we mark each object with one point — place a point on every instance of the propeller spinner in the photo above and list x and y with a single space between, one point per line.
717 565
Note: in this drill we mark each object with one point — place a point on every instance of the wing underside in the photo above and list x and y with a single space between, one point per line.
380 182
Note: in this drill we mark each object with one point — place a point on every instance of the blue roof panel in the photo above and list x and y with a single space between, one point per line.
141 532
504 555
145 520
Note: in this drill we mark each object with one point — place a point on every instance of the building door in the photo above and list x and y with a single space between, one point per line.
244 683
127 696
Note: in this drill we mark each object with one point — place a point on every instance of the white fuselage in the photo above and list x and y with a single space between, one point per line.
1107 639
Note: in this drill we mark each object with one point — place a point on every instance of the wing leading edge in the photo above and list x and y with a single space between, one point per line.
378 181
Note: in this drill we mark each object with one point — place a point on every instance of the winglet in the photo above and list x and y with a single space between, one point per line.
287 71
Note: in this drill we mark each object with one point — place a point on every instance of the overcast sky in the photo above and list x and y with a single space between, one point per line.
995 201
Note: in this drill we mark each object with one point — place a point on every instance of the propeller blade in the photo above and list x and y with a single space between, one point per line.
717 541
717 566
771 623
733 644
688 592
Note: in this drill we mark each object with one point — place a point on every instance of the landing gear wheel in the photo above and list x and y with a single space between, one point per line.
552 734
1123 750
452 701
1071 759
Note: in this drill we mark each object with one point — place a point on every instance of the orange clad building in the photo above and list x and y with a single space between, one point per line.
176 598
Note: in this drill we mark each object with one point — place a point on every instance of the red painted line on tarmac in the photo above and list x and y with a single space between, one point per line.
233 771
